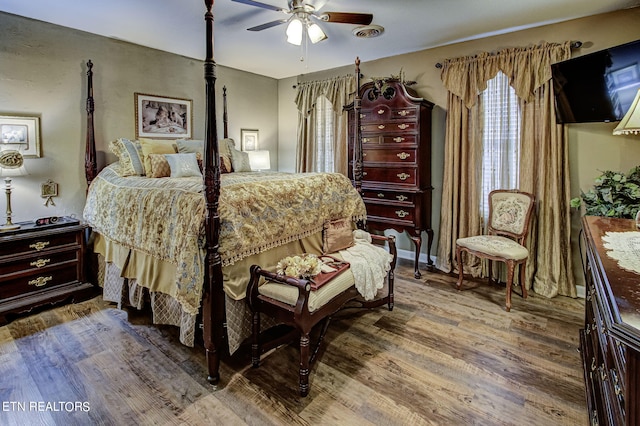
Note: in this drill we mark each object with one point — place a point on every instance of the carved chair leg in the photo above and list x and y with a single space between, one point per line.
460 267
522 280
510 270
304 364
255 340
490 270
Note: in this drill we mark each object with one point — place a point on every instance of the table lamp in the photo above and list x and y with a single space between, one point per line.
630 123
11 165
259 160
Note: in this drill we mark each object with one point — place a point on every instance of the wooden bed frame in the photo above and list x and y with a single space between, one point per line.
213 302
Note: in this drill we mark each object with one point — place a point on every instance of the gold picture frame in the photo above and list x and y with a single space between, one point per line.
163 117
21 133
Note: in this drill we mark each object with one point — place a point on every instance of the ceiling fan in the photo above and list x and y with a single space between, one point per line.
303 16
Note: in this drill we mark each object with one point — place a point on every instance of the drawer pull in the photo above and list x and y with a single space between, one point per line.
402 197
40 263
593 364
403 155
381 126
403 126
616 386
398 139
40 281
364 173
403 176
363 115
39 245
380 195
365 140
587 330
594 418
403 113
402 213
364 154
603 373
380 111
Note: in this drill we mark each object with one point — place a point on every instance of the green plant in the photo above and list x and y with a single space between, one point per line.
614 194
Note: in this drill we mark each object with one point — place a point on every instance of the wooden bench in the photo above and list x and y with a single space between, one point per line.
309 308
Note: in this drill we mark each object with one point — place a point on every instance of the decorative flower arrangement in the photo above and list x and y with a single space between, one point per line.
614 194
305 266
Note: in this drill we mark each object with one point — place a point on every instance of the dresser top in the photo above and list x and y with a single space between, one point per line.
621 286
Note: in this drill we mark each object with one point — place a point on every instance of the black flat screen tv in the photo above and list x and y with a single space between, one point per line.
597 87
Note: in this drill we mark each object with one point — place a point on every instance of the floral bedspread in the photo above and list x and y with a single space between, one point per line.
164 217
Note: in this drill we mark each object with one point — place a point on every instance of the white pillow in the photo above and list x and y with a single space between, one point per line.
183 165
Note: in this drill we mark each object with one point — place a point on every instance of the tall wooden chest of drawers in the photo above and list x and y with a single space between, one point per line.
42 265
610 341
396 148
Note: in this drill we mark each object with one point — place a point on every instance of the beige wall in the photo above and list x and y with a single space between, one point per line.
43 72
592 146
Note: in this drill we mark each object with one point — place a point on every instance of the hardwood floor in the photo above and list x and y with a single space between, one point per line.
440 357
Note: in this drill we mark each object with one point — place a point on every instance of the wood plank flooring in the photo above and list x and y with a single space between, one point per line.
440 357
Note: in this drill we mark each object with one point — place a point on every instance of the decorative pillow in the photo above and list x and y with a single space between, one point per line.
183 165
336 235
154 146
190 145
129 155
225 164
240 161
226 145
159 166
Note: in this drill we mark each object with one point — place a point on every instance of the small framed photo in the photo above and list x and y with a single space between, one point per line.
49 189
22 133
162 117
248 139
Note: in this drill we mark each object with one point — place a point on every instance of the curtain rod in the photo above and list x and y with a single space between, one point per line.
574 45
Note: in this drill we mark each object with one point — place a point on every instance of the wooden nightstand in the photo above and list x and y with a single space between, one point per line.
42 265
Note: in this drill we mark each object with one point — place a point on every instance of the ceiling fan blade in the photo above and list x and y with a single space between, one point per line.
262 5
347 18
267 25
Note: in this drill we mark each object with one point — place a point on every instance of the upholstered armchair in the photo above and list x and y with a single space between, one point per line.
508 226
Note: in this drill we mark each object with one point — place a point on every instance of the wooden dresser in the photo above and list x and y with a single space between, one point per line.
42 265
396 148
610 341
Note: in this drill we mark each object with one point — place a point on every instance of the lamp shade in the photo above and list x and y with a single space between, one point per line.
294 32
630 123
12 163
259 160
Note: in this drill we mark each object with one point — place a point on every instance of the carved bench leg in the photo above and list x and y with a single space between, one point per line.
255 340
304 364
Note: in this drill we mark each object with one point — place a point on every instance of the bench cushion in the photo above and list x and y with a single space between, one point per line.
289 294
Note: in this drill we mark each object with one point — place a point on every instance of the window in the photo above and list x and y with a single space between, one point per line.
324 135
501 139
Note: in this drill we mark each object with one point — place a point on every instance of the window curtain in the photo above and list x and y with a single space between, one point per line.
339 91
544 168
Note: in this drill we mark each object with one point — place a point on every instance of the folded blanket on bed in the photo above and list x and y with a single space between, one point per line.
165 217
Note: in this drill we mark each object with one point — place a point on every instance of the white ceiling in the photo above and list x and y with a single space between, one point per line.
177 26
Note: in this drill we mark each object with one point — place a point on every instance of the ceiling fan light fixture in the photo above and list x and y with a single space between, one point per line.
315 33
294 32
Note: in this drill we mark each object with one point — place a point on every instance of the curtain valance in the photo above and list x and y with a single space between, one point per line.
528 68
337 90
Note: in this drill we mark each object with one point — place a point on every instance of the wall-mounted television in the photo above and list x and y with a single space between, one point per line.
597 87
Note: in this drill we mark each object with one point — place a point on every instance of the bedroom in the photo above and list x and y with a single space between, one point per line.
59 96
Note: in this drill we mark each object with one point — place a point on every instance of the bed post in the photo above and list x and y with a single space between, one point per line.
213 311
225 119
90 167
357 142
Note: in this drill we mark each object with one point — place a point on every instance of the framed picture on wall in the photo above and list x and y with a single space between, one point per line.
248 139
21 133
162 117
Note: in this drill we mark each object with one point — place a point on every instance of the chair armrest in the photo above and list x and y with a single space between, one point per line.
391 241
303 285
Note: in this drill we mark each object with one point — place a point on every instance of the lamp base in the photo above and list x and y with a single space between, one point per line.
9 227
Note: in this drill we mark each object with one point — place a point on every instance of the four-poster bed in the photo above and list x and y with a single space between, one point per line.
201 248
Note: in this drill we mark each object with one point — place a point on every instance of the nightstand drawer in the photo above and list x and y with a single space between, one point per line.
39 244
38 262
40 280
